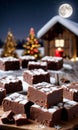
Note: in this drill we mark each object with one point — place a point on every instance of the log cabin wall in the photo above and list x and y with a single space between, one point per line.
70 42
46 47
52 48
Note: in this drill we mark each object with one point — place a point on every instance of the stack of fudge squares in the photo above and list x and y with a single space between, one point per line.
50 108
45 103
49 104
11 83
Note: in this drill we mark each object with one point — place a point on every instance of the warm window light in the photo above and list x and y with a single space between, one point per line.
56 43
59 43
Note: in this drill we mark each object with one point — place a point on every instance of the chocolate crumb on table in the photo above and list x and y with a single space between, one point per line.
7 117
64 80
20 119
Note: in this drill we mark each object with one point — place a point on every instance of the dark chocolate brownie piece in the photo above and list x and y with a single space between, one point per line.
53 63
36 76
37 65
48 117
25 59
45 94
20 119
2 94
18 103
9 63
11 84
70 91
7 117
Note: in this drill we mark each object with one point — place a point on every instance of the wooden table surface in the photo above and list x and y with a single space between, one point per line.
70 72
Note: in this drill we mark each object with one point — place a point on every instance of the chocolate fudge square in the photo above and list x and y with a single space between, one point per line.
20 119
36 76
25 59
70 91
11 84
45 94
2 94
37 65
53 63
70 109
9 63
48 117
7 117
18 103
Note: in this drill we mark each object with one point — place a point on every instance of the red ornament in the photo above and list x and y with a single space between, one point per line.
36 50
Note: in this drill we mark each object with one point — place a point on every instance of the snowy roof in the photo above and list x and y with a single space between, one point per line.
72 26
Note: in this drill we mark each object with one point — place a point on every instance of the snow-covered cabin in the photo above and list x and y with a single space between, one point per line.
60 32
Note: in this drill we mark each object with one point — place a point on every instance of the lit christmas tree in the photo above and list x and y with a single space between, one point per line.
32 45
9 46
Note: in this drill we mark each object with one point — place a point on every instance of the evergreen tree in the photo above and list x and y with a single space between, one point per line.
32 45
9 46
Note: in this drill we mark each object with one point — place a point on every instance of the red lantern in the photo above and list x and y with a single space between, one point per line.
59 52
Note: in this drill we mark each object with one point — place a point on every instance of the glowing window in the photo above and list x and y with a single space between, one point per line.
59 43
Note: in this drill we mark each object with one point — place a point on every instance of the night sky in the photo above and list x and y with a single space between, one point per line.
20 15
